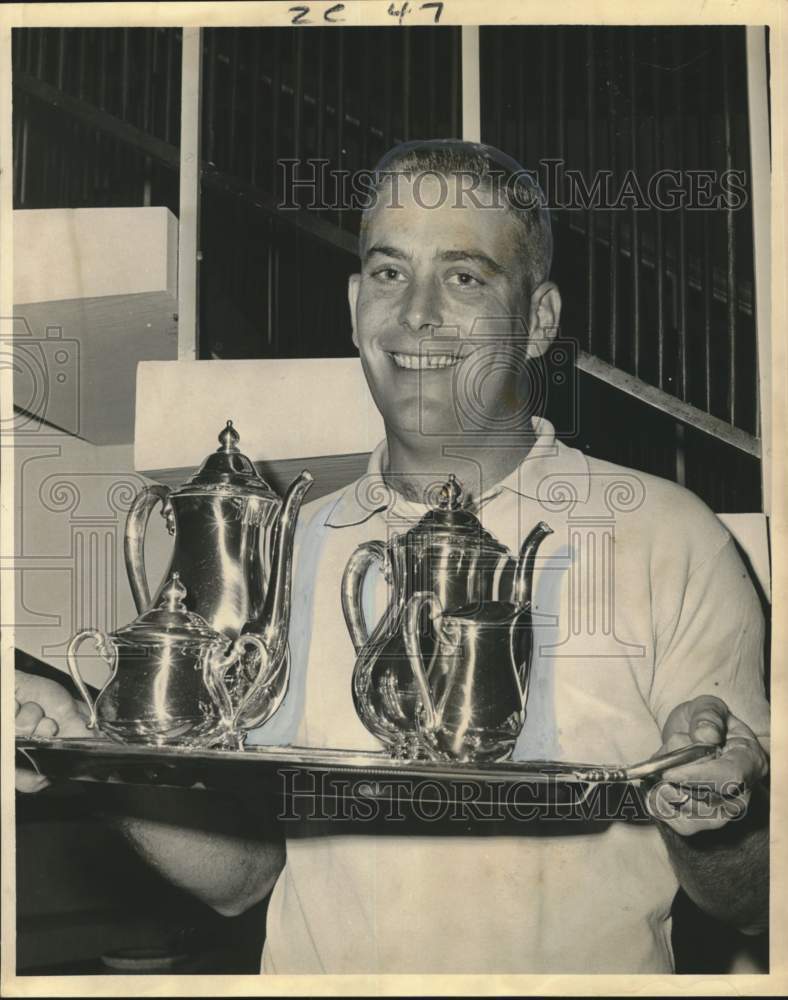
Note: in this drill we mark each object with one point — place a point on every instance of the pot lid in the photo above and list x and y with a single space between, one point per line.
170 620
449 514
226 469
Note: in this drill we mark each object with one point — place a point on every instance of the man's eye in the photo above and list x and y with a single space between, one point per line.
388 274
465 280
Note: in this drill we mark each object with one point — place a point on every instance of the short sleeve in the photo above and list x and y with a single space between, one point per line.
714 644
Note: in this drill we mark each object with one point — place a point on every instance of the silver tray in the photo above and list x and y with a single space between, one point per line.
301 773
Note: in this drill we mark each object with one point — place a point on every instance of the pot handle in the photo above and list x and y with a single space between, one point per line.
134 541
352 582
410 631
218 669
103 646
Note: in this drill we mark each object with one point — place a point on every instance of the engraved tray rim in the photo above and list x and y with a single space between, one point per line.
335 760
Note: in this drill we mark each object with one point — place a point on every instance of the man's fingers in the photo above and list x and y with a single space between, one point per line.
30 782
708 719
47 728
742 763
56 703
726 778
702 720
675 742
688 813
31 721
28 717
52 696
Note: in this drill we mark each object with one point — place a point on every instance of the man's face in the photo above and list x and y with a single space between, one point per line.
440 312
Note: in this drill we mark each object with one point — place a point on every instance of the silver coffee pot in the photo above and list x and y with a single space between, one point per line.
233 547
175 680
449 555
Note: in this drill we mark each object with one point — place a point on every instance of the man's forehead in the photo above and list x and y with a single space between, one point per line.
432 189
425 213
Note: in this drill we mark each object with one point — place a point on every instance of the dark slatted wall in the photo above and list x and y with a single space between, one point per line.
272 285
64 80
656 275
662 283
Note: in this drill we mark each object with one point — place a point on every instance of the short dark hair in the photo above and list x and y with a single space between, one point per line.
512 186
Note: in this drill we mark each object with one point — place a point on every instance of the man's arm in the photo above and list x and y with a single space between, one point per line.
714 815
726 872
204 842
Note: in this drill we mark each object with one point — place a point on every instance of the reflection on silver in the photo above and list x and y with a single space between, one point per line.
233 551
174 680
651 768
483 654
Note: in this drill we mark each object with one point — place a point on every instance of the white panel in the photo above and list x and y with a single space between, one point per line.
86 253
282 409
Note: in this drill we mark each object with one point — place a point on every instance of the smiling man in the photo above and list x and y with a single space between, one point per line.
450 271
648 636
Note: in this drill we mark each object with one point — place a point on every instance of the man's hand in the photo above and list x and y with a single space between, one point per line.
722 785
44 708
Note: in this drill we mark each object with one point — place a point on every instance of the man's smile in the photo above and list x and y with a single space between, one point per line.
424 361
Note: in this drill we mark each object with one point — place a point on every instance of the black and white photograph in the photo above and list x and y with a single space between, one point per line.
394 500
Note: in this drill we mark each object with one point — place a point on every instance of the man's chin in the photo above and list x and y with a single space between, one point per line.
418 414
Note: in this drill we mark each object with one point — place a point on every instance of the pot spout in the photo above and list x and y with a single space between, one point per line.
274 620
525 564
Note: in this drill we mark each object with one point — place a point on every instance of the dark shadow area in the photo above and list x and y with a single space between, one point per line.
86 903
704 946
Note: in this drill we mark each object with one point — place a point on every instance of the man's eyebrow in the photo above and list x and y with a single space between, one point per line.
475 255
386 251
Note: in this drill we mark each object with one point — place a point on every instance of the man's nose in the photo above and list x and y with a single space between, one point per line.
421 306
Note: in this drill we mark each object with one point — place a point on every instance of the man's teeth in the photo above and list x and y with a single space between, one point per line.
423 361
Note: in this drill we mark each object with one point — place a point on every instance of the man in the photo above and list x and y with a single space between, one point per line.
451 310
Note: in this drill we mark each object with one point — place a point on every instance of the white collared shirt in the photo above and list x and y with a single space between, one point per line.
640 603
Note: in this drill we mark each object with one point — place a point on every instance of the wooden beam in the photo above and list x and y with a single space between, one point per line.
471 88
189 215
95 118
760 186
665 403
308 222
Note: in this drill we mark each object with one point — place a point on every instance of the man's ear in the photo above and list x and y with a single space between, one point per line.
353 285
544 316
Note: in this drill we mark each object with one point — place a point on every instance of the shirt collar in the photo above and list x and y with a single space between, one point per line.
549 473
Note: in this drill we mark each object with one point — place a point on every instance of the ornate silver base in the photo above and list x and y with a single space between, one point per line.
178 732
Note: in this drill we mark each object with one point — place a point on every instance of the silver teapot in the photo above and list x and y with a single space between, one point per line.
175 680
449 555
233 548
